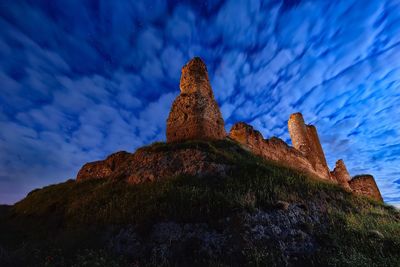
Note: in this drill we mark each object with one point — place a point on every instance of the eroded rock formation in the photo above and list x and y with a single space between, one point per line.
195 113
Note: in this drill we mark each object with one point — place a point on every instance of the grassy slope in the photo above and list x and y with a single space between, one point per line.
65 218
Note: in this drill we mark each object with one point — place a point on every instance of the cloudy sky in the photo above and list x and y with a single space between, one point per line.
82 79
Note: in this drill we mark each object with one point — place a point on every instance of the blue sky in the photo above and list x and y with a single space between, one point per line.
82 79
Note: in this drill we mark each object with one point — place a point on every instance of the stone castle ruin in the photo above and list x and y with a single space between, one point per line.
195 115
305 139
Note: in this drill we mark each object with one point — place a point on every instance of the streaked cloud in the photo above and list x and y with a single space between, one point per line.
82 80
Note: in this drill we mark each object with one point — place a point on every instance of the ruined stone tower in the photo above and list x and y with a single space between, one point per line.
365 185
298 133
341 175
305 139
195 113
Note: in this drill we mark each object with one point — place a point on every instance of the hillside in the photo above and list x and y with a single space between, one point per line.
206 198
257 214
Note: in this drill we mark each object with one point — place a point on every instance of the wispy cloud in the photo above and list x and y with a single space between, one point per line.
80 80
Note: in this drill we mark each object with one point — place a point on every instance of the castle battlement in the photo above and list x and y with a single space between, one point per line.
306 155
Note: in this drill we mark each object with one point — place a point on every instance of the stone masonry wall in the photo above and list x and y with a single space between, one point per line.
195 113
150 164
305 139
273 149
102 168
365 185
341 175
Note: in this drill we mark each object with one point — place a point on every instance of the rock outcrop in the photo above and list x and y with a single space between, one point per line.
195 113
365 185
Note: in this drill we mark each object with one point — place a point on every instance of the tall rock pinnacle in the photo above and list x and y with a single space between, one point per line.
195 113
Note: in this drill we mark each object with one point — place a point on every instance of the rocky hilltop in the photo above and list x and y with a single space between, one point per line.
195 115
206 198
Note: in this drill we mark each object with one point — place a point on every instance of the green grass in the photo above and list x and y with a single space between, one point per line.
63 221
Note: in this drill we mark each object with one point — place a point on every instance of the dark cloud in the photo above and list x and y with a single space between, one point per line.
82 79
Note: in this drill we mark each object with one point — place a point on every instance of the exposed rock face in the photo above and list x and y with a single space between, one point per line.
365 185
274 229
305 139
147 164
273 149
195 113
341 174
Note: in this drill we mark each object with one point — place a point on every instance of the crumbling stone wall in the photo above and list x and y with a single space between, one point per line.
341 175
298 134
273 149
195 113
102 168
305 139
316 147
365 185
148 164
